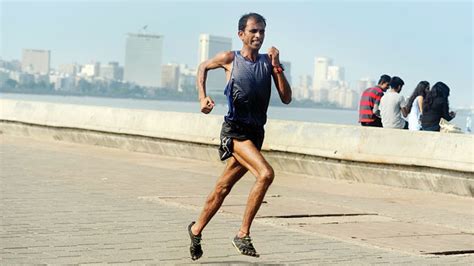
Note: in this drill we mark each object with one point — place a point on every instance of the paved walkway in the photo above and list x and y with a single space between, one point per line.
68 203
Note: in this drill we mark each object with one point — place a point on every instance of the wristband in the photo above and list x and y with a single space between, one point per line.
278 69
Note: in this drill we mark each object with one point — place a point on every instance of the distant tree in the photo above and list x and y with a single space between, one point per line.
136 91
43 86
84 86
11 84
28 85
190 90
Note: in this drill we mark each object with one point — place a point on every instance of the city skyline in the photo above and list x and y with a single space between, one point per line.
349 46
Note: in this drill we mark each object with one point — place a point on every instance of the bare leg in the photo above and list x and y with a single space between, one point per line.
232 173
250 157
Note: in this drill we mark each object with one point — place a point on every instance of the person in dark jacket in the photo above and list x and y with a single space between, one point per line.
435 107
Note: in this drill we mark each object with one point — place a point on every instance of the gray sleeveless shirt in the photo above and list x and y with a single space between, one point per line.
248 90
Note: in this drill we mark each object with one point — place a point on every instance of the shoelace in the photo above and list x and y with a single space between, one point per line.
247 241
196 240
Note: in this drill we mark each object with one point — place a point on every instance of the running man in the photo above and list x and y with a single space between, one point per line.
248 93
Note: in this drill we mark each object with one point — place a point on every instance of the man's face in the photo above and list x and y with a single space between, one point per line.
253 35
384 86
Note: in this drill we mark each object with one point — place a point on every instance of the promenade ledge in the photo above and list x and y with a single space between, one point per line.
429 161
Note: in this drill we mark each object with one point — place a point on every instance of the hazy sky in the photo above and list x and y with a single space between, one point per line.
416 40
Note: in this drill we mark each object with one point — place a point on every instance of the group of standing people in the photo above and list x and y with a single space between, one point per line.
383 106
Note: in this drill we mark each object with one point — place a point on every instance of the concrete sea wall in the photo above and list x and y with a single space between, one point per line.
419 160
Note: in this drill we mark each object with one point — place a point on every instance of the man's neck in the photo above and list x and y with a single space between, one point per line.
380 87
248 53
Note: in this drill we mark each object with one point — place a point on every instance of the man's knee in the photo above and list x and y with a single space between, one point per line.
266 176
223 189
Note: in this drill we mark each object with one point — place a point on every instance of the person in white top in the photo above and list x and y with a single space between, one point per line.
392 106
415 105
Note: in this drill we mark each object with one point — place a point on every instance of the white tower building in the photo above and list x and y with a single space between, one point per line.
209 46
143 56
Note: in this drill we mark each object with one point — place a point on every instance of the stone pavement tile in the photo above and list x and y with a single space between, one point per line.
14 261
428 244
51 260
383 229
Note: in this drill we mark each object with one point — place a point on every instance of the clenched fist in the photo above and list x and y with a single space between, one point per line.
206 104
274 55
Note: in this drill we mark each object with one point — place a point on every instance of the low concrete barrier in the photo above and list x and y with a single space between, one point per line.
422 160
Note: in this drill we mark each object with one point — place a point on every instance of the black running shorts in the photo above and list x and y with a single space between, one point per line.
232 130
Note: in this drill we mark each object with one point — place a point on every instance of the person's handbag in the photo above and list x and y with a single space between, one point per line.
447 127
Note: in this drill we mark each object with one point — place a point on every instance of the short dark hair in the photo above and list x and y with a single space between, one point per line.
395 82
243 20
384 79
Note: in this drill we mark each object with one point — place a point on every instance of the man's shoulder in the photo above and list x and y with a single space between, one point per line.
392 95
223 58
376 90
397 97
228 56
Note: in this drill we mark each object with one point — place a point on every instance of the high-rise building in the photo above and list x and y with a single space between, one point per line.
304 87
306 81
337 96
111 71
187 78
287 66
351 99
209 46
364 83
170 76
36 61
70 69
90 70
335 73
321 65
320 78
143 56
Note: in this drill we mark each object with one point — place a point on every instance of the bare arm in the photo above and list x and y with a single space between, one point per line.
376 109
281 83
420 104
221 60
404 111
403 108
